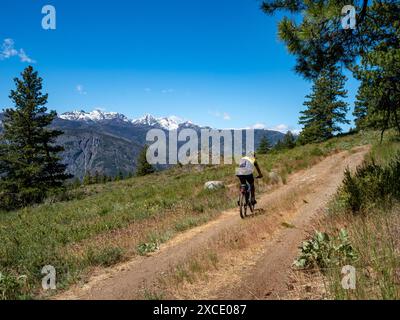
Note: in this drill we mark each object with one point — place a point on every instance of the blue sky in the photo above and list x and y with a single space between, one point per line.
217 63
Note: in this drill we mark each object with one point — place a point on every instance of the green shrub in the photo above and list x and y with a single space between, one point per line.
12 287
105 257
371 184
323 251
148 247
316 152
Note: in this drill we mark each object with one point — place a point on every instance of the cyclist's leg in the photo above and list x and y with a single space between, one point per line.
250 180
242 181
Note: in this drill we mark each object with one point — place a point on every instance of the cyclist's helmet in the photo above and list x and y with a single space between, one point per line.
251 154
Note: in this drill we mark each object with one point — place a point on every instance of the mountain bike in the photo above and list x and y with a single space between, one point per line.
245 199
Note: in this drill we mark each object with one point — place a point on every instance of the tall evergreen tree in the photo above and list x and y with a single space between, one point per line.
278 146
378 99
104 178
119 176
96 177
289 141
77 183
325 109
361 107
265 146
143 167
87 179
29 163
318 38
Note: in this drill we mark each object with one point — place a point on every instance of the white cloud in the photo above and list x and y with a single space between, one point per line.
80 89
296 131
285 128
280 128
24 57
167 91
214 113
224 115
258 126
147 89
8 50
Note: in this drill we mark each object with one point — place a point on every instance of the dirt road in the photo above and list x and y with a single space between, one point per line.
263 271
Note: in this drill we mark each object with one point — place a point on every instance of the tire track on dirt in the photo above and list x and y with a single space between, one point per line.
268 278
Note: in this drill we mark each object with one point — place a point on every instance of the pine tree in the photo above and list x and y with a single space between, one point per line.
318 39
278 146
325 109
378 99
265 145
87 179
143 167
77 183
289 142
97 177
361 108
29 163
119 176
104 178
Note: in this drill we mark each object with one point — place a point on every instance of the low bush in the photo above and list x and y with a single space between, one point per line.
371 185
323 251
13 287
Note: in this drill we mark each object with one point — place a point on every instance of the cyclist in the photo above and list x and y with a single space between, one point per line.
245 172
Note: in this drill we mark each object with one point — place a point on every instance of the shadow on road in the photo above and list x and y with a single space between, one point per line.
257 212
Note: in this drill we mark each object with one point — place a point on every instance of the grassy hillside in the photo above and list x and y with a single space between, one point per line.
105 224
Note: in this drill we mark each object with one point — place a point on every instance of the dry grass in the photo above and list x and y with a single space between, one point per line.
306 286
375 237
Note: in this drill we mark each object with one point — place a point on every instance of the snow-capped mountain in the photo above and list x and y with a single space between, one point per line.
166 123
147 120
95 115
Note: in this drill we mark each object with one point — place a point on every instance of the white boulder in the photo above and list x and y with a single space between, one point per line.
213 185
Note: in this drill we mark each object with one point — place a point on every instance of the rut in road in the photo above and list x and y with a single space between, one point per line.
265 275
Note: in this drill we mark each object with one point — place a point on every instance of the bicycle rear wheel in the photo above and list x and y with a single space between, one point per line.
243 205
251 206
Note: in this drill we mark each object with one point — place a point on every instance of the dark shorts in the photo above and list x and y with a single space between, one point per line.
249 178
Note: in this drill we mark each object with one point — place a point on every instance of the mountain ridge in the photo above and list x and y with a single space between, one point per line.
109 143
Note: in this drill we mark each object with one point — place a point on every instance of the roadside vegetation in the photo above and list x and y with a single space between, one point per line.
362 229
